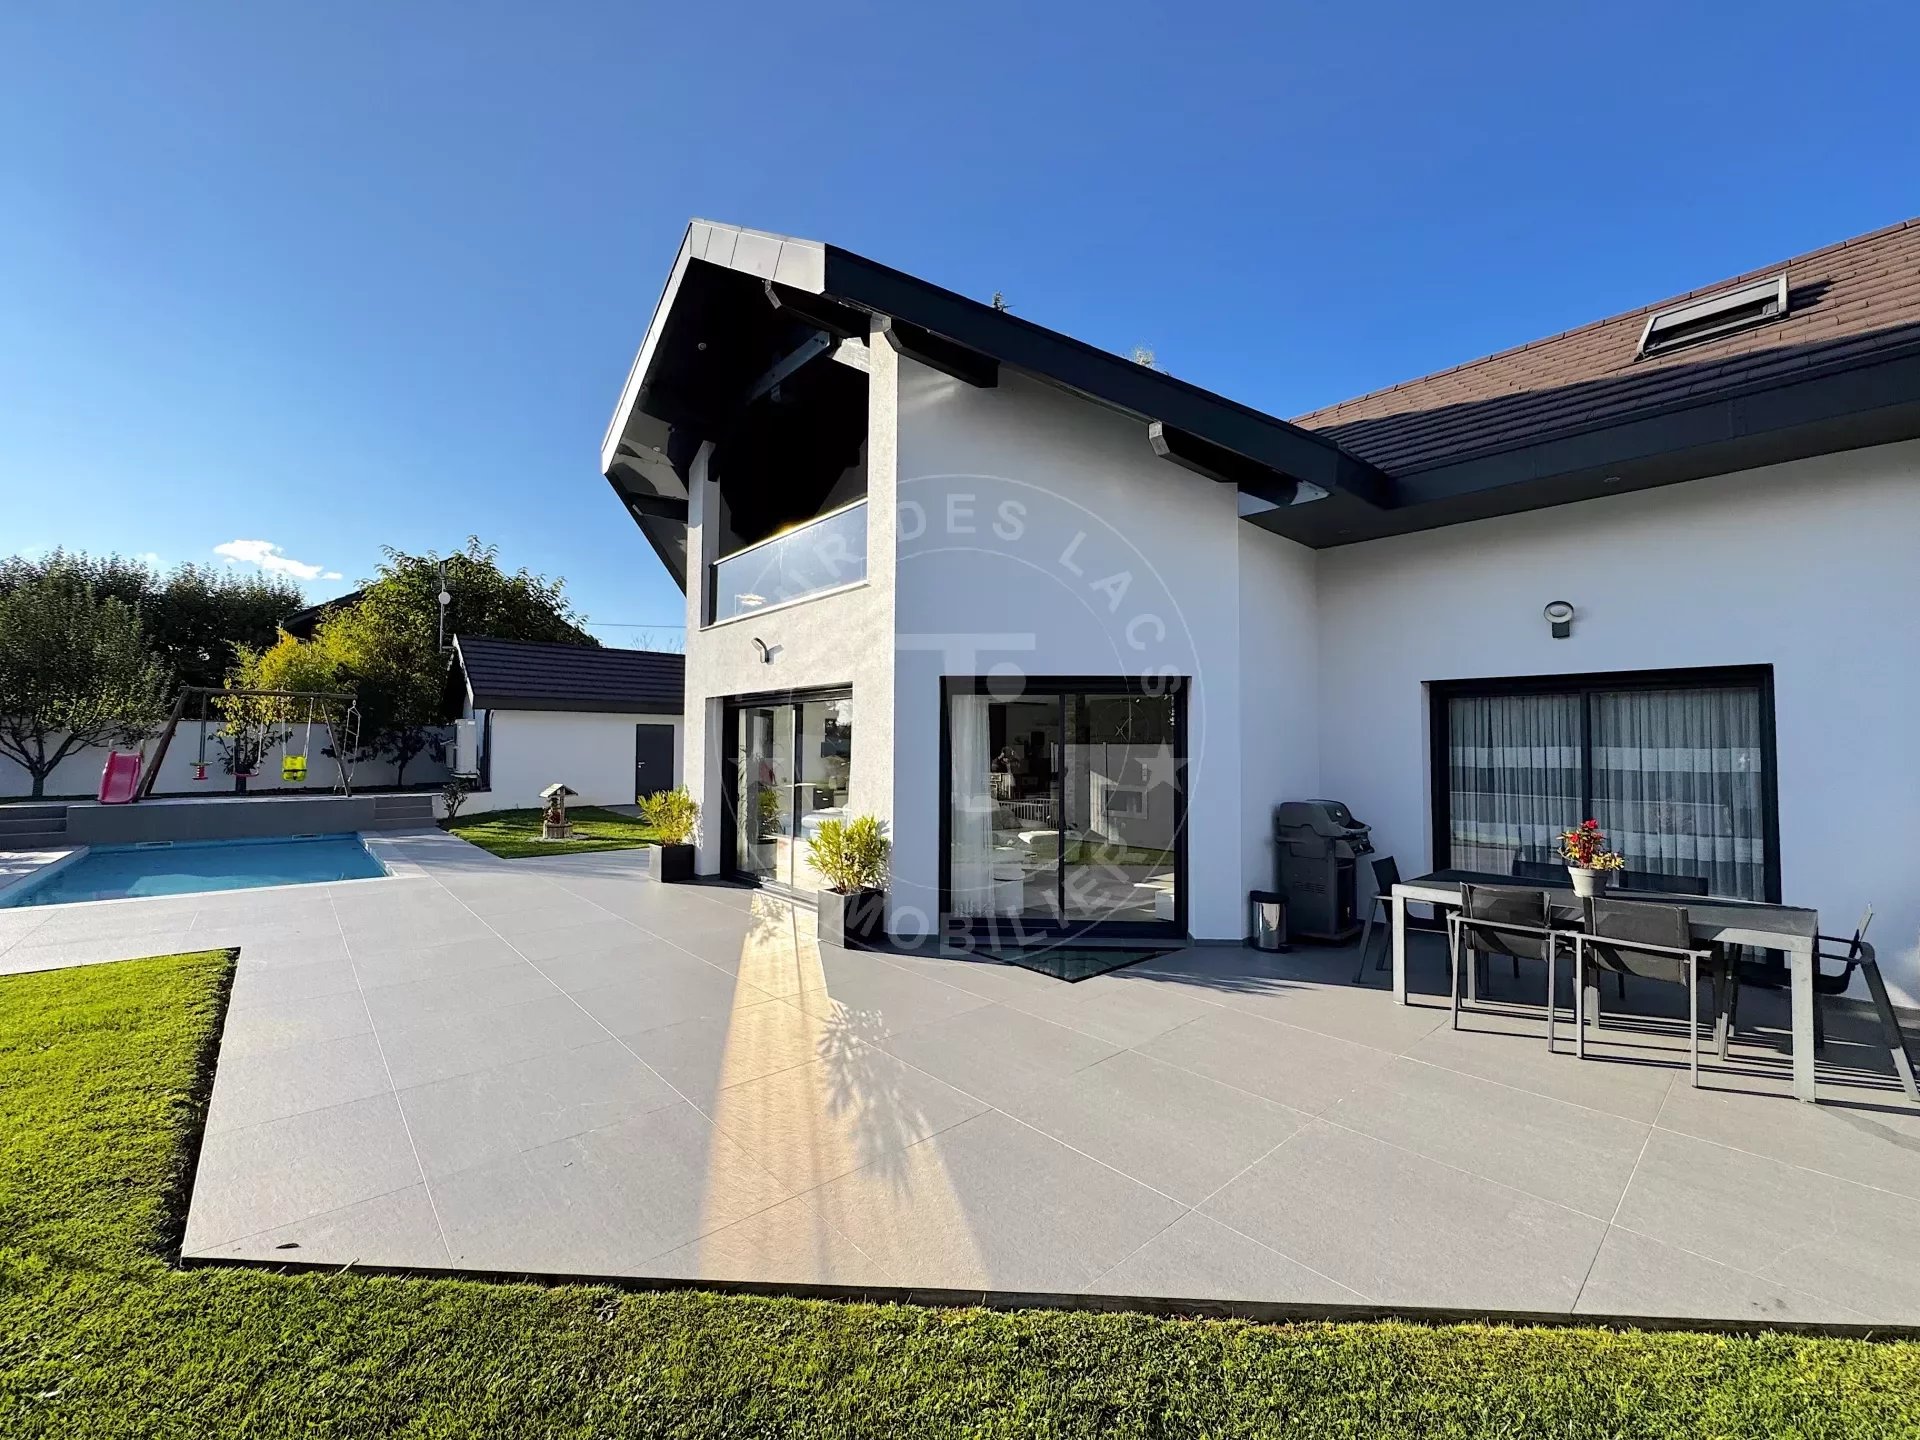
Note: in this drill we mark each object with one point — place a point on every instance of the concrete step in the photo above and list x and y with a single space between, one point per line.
33 812
402 811
35 840
32 824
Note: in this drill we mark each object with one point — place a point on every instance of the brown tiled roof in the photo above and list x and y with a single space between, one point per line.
1846 303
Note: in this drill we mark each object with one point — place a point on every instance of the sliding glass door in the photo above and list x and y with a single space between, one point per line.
789 762
1064 806
1677 768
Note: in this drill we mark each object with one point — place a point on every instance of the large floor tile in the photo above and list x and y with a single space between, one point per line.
250 1088
278 1022
1399 1228
996 1053
1559 1152
665 990
1364 1016
264 1176
470 1119
1177 1132
603 1203
598 934
378 964
1302 1069
1200 1259
703 1056
1122 1011
1843 1242
402 1003
856 1106
483 1039
1634 1277
396 1229
1874 1142
873 998
1510 1047
256 981
993 1204
790 1244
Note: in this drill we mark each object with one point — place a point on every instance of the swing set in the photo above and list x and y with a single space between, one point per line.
338 712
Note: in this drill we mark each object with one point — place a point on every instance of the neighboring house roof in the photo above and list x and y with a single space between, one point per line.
524 675
1573 417
302 623
1847 304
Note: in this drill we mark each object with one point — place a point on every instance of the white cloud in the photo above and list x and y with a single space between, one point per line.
149 558
269 556
333 575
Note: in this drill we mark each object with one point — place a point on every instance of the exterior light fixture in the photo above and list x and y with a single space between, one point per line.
766 655
1559 614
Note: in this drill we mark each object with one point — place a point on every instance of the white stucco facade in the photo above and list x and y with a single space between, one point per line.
527 750
1807 567
1020 528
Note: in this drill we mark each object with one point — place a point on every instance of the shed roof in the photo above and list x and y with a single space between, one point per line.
525 675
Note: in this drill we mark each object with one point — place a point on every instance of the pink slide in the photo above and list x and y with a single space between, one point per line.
121 777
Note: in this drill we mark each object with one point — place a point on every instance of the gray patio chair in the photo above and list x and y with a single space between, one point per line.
1505 920
1652 941
1386 875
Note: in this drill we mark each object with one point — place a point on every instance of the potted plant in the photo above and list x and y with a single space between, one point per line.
851 856
1589 863
673 814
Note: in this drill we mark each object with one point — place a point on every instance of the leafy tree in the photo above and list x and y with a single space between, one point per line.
75 671
387 646
195 617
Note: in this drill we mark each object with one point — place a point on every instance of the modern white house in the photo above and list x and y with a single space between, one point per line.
605 722
1073 627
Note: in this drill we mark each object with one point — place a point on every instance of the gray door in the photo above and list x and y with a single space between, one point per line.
652 759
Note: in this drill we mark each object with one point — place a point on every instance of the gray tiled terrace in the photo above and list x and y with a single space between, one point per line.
558 1066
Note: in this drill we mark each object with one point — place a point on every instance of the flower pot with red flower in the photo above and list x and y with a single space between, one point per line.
1590 865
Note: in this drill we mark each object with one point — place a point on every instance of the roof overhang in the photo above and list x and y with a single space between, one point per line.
1873 400
747 289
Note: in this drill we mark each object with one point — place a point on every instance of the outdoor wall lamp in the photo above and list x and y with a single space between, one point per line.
1559 615
766 655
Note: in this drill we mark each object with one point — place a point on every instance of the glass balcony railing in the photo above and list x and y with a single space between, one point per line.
822 554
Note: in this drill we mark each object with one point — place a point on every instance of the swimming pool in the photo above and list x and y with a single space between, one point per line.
119 872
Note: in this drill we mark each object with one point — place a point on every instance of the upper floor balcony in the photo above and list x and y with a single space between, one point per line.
826 553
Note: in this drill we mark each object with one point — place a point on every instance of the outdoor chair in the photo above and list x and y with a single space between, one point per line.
1386 875
1656 943
1857 954
1504 920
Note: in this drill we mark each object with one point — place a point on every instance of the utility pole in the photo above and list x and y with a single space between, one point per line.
446 599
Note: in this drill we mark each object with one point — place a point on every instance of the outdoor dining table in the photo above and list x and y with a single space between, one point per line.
1711 918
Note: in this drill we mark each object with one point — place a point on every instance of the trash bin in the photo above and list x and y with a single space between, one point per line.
1267 919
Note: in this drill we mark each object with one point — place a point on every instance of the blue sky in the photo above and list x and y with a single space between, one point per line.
329 277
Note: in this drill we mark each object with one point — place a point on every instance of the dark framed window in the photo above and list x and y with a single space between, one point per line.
1678 766
1063 807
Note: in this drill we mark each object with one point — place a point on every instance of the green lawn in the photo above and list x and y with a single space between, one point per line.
515 834
102 1078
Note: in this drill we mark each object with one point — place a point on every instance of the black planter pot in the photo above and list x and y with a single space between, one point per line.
854 922
674 863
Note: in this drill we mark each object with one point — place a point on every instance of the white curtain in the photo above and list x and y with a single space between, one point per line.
971 822
1513 767
1677 784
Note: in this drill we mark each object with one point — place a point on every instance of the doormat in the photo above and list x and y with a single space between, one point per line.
1076 962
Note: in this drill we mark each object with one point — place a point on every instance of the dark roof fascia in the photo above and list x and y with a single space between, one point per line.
1112 380
1762 412
598 705
1871 403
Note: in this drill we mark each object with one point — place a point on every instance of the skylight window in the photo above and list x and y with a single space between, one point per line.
1740 308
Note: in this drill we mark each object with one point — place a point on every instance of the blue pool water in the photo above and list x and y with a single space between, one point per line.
116 872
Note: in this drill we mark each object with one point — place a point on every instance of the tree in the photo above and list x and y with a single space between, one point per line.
75 672
387 647
196 617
